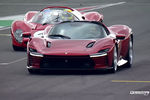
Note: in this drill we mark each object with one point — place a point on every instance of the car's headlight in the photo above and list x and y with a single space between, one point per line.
18 35
33 52
103 51
100 53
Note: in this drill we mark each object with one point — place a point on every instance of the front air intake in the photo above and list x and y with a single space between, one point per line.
90 45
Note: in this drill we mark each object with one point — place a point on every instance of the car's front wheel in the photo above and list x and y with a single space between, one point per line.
114 62
129 56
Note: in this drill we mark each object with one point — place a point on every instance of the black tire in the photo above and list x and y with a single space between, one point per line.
129 56
33 71
115 60
16 48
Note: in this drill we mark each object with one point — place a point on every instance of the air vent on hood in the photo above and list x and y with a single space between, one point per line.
48 44
90 45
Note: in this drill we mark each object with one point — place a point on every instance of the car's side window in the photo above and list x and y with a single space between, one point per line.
104 32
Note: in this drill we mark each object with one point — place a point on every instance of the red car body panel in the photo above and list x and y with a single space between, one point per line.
28 30
31 28
93 16
125 30
29 15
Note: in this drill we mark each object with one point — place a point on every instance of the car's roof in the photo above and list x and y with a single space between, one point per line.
58 7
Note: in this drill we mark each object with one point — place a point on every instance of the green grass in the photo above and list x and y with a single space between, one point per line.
6 23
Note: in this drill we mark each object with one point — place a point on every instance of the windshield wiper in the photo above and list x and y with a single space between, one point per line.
59 35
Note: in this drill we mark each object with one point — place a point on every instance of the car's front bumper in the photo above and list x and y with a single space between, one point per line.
68 62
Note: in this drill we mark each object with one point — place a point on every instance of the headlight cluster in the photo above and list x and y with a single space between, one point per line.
100 53
33 52
18 35
103 51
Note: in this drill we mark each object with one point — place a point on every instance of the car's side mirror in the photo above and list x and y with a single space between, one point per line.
120 36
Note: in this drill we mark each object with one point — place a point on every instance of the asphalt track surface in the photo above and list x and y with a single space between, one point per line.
17 84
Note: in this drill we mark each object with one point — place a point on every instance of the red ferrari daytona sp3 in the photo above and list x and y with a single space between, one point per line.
80 45
39 20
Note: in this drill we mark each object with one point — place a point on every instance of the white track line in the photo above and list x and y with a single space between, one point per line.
4 28
105 6
14 17
5 35
15 61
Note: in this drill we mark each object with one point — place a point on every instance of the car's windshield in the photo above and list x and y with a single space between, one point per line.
77 30
53 16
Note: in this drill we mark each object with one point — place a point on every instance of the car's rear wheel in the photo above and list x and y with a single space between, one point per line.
129 56
114 62
16 48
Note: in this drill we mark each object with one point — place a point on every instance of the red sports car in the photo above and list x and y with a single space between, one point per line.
80 45
39 20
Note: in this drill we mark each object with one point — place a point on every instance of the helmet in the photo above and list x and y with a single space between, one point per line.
67 15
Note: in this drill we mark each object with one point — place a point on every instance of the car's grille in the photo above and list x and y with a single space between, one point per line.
67 62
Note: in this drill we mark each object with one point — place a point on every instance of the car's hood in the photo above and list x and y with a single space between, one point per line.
69 47
66 47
